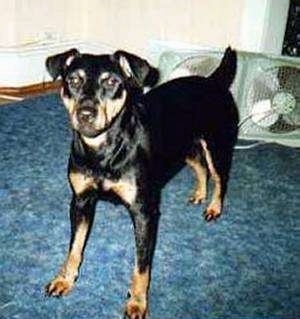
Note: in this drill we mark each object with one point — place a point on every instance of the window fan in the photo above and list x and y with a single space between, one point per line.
273 101
270 101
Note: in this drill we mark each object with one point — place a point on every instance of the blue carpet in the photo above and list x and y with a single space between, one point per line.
245 265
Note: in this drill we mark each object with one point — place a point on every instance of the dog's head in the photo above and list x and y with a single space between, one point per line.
95 88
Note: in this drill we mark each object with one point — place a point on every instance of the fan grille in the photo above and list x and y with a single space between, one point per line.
199 65
202 65
273 101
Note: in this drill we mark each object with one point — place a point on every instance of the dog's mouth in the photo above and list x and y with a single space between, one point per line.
87 130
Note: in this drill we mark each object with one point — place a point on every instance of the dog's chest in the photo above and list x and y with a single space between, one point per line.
125 188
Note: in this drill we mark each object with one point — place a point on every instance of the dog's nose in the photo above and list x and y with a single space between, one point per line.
86 114
86 103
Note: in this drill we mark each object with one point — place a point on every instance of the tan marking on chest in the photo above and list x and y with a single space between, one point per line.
95 142
124 188
81 182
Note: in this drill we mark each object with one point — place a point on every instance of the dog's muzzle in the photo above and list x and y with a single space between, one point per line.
86 113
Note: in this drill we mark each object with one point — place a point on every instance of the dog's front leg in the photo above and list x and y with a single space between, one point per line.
82 213
145 223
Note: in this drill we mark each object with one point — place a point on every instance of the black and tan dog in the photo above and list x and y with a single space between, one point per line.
127 145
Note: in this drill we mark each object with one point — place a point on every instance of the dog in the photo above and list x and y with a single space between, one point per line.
128 144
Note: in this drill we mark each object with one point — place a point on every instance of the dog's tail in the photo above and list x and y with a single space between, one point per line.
225 72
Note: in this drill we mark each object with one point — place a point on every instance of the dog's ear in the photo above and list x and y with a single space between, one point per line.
56 64
137 68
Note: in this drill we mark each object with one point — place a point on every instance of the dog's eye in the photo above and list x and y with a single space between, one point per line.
74 81
111 81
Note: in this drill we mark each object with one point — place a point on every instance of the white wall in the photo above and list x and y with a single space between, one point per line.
131 23
25 21
7 25
254 25
246 24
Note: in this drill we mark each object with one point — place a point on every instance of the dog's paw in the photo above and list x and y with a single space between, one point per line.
197 197
212 213
59 287
136 308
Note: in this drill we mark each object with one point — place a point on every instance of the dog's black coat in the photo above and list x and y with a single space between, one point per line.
146 143
177 123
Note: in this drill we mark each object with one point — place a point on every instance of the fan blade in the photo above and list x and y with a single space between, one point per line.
262 113
264 88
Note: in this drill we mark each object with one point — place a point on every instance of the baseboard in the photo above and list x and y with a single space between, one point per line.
25 65
19 93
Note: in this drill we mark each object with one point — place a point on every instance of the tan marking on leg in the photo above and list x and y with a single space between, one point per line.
71 266
140 282
213 210
137 305
81 183
199 194
63 283
125 189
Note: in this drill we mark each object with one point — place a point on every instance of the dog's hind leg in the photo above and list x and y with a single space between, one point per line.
218 157
196 162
